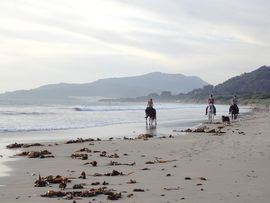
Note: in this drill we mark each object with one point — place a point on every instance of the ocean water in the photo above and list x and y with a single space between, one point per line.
24 118
21 123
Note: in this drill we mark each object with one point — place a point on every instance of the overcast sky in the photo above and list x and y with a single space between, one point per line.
52 41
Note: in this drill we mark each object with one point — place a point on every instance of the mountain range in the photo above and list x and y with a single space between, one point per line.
252 83
160 86
135 86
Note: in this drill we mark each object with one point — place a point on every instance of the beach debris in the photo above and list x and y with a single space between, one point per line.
113 156
36 154
1 156
85 150
203 178
115 163
104 154
138 190
17 145
168 174
112 195
144 136
130 195
79 140
43 181
159 161
131 181
187 178
78 186
63 184
52 193
105 183
173 188
145 169
113 173
127 138
93 163
40 182
199 184
79 156
204 129
83 175
200 129
95 183
187 130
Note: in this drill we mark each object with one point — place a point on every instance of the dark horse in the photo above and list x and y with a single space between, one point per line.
150 113
234 110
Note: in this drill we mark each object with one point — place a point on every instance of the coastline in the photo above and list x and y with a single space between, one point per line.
234 164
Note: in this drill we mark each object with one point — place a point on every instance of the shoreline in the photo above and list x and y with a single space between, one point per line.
234 165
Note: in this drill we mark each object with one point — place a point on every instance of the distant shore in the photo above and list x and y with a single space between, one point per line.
194 167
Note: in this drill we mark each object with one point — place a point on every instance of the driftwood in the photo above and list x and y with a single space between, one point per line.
115 163
79 156
36 154
84 150
93 163
17 145
144 136
113 173
138 190
159 161
79 140
86 193
169 189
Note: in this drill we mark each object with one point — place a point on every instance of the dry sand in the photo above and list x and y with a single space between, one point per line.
231 167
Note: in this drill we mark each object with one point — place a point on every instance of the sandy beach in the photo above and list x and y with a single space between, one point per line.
191 167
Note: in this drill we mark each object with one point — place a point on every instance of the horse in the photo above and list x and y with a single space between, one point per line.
150 116
234 111
210 112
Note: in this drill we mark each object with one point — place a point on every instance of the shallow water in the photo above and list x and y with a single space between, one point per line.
46 123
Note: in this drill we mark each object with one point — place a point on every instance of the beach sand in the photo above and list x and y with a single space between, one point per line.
193 167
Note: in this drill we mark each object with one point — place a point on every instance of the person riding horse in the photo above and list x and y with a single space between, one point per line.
150 112
211 100
234 110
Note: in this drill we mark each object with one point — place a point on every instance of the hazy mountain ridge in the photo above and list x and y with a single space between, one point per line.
255 82
112 87
251 87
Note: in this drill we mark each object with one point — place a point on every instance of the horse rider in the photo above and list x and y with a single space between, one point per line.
150 103
234 100
211 100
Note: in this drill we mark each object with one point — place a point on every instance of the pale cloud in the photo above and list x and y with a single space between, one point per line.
80 41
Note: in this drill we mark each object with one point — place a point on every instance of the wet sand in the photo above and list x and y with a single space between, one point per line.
194 167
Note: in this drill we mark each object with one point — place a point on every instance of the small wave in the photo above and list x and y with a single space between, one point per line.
107 108
14 113
122 108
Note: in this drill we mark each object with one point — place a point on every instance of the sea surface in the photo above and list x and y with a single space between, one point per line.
24 118
41 123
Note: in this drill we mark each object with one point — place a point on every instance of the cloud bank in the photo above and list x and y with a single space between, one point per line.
80 41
